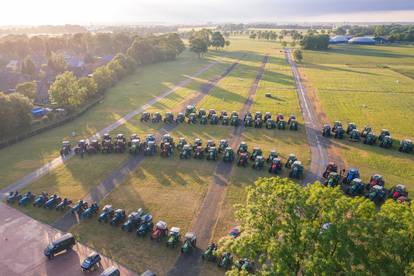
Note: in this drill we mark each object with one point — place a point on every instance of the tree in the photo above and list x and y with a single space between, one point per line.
89 86
21 107
340 31
297 55
284 43
57 63
28 89
142 51
253 36
103 79
315 41
227 43
28 66
65 91
217 40
316 230
198 46
293 44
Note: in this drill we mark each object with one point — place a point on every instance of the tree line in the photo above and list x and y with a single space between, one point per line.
201 40
287 229
393 32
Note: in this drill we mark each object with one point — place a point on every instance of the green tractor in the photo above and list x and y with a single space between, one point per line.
267 116
333 179
169 118
228 155
223 113
212 154
181 143
256 152
223 145
210 143
326 130
145 117
292 118
235 121
258 162
339 132
197 143
180 118
273 154
248 120
210 253
377 194
202 112
226 260
167 138
242 148
192 118
406 146
370 138
156 117
386 142
293 125
190 243
258 115
211 112
150 148
384 132
190 109
214 120
281 124
291 159
186 152
225 120
245 265
270 124
203 120
173 237
135 146
198 153
356 188
258 123
350 128
296 170
365 131
336 125
354 135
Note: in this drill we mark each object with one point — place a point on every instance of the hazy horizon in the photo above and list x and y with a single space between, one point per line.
43 12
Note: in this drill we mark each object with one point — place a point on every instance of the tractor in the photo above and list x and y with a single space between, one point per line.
281 124
186 152
133 220
225 120
223 113
145 226
296 170
398 192
223 145
235 121
242 148
384 132
333 179
167 138
52 202
210 143
166 150
356 188
210 253
26 198
351 175
119 217
275 166
135 146
259 162
180 118
211 112
326 130
256 152
354 135
291 159
293 125
106 144
214 120
63 205
79 207
168 118
150 148
228 155
190 243
386 142
156 118
89 212
212 154
173 237
160 231
192 119
248 120
245 265
145 116
190 109
13 197
258 115
93 147
376 179
202 112
377 194
120 143
331 167
40 199
91 263
267 116
370 138
280 117
197 143
235 232
106 214
243 159
258 123
80 148
203 120
270 124
339 132
336 125
226 260
181 143
350 128
406 146
292 118
247 114
272 155
132 137
65 149
365 131
198 153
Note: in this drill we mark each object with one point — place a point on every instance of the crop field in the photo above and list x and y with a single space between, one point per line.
368 85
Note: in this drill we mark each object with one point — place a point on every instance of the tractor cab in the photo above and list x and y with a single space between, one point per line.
212 153
169 118
192 118
190 242
366 130
210 143
336 125
291 159
160 231
106 137
120 137
242 148
106 214
225 120
198 152
235 120
223 145
211 112
296 170
258 115
267 116
203 120
281 124
214 119
258 122
150 149
356 187
167 138
201 113
149 138
333 179
181 142
145 225
256 152
326 130
258 162
190 109
197 142
180 118
384 132
339 132
399 191
119 216
386 142
376 179
273 154
292 117
331 167
65 149
354 135
222 114
156 117
406 146
145 117
173 237
228 155
350 128
186 152
377 194
243 159
351 175
276 165
248 120
280 117
370 138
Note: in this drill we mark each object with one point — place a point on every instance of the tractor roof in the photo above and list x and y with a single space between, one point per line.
357 180
190 235
65 142
175 230
161 225
135 141
107 207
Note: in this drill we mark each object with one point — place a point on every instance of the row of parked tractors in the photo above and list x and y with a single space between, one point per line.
366 135
211 151
352 185
212 117
139 221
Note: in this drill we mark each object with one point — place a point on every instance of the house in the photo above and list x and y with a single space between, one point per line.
339 39
363 40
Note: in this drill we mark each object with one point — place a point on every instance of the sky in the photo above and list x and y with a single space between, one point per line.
39 12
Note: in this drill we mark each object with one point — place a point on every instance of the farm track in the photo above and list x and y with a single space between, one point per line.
204 223
22 183
119 175
318 144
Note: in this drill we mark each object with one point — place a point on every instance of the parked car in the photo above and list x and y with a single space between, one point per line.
66 242
91 262
111 271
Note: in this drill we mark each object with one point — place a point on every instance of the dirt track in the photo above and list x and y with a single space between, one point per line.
205 221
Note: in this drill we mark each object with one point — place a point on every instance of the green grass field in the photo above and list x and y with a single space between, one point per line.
368 85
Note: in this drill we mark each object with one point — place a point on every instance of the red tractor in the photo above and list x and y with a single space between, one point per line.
332 167
160 231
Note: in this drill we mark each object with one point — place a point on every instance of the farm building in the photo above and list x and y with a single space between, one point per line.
365 40
339 39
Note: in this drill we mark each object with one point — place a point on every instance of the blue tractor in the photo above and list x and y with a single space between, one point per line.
26 198
40 199
52 202
89 212
145 225
133 220
351 175
106 214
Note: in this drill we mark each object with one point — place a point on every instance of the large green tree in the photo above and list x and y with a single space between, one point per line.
65 91
28 89
217 40
198 46
315 230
